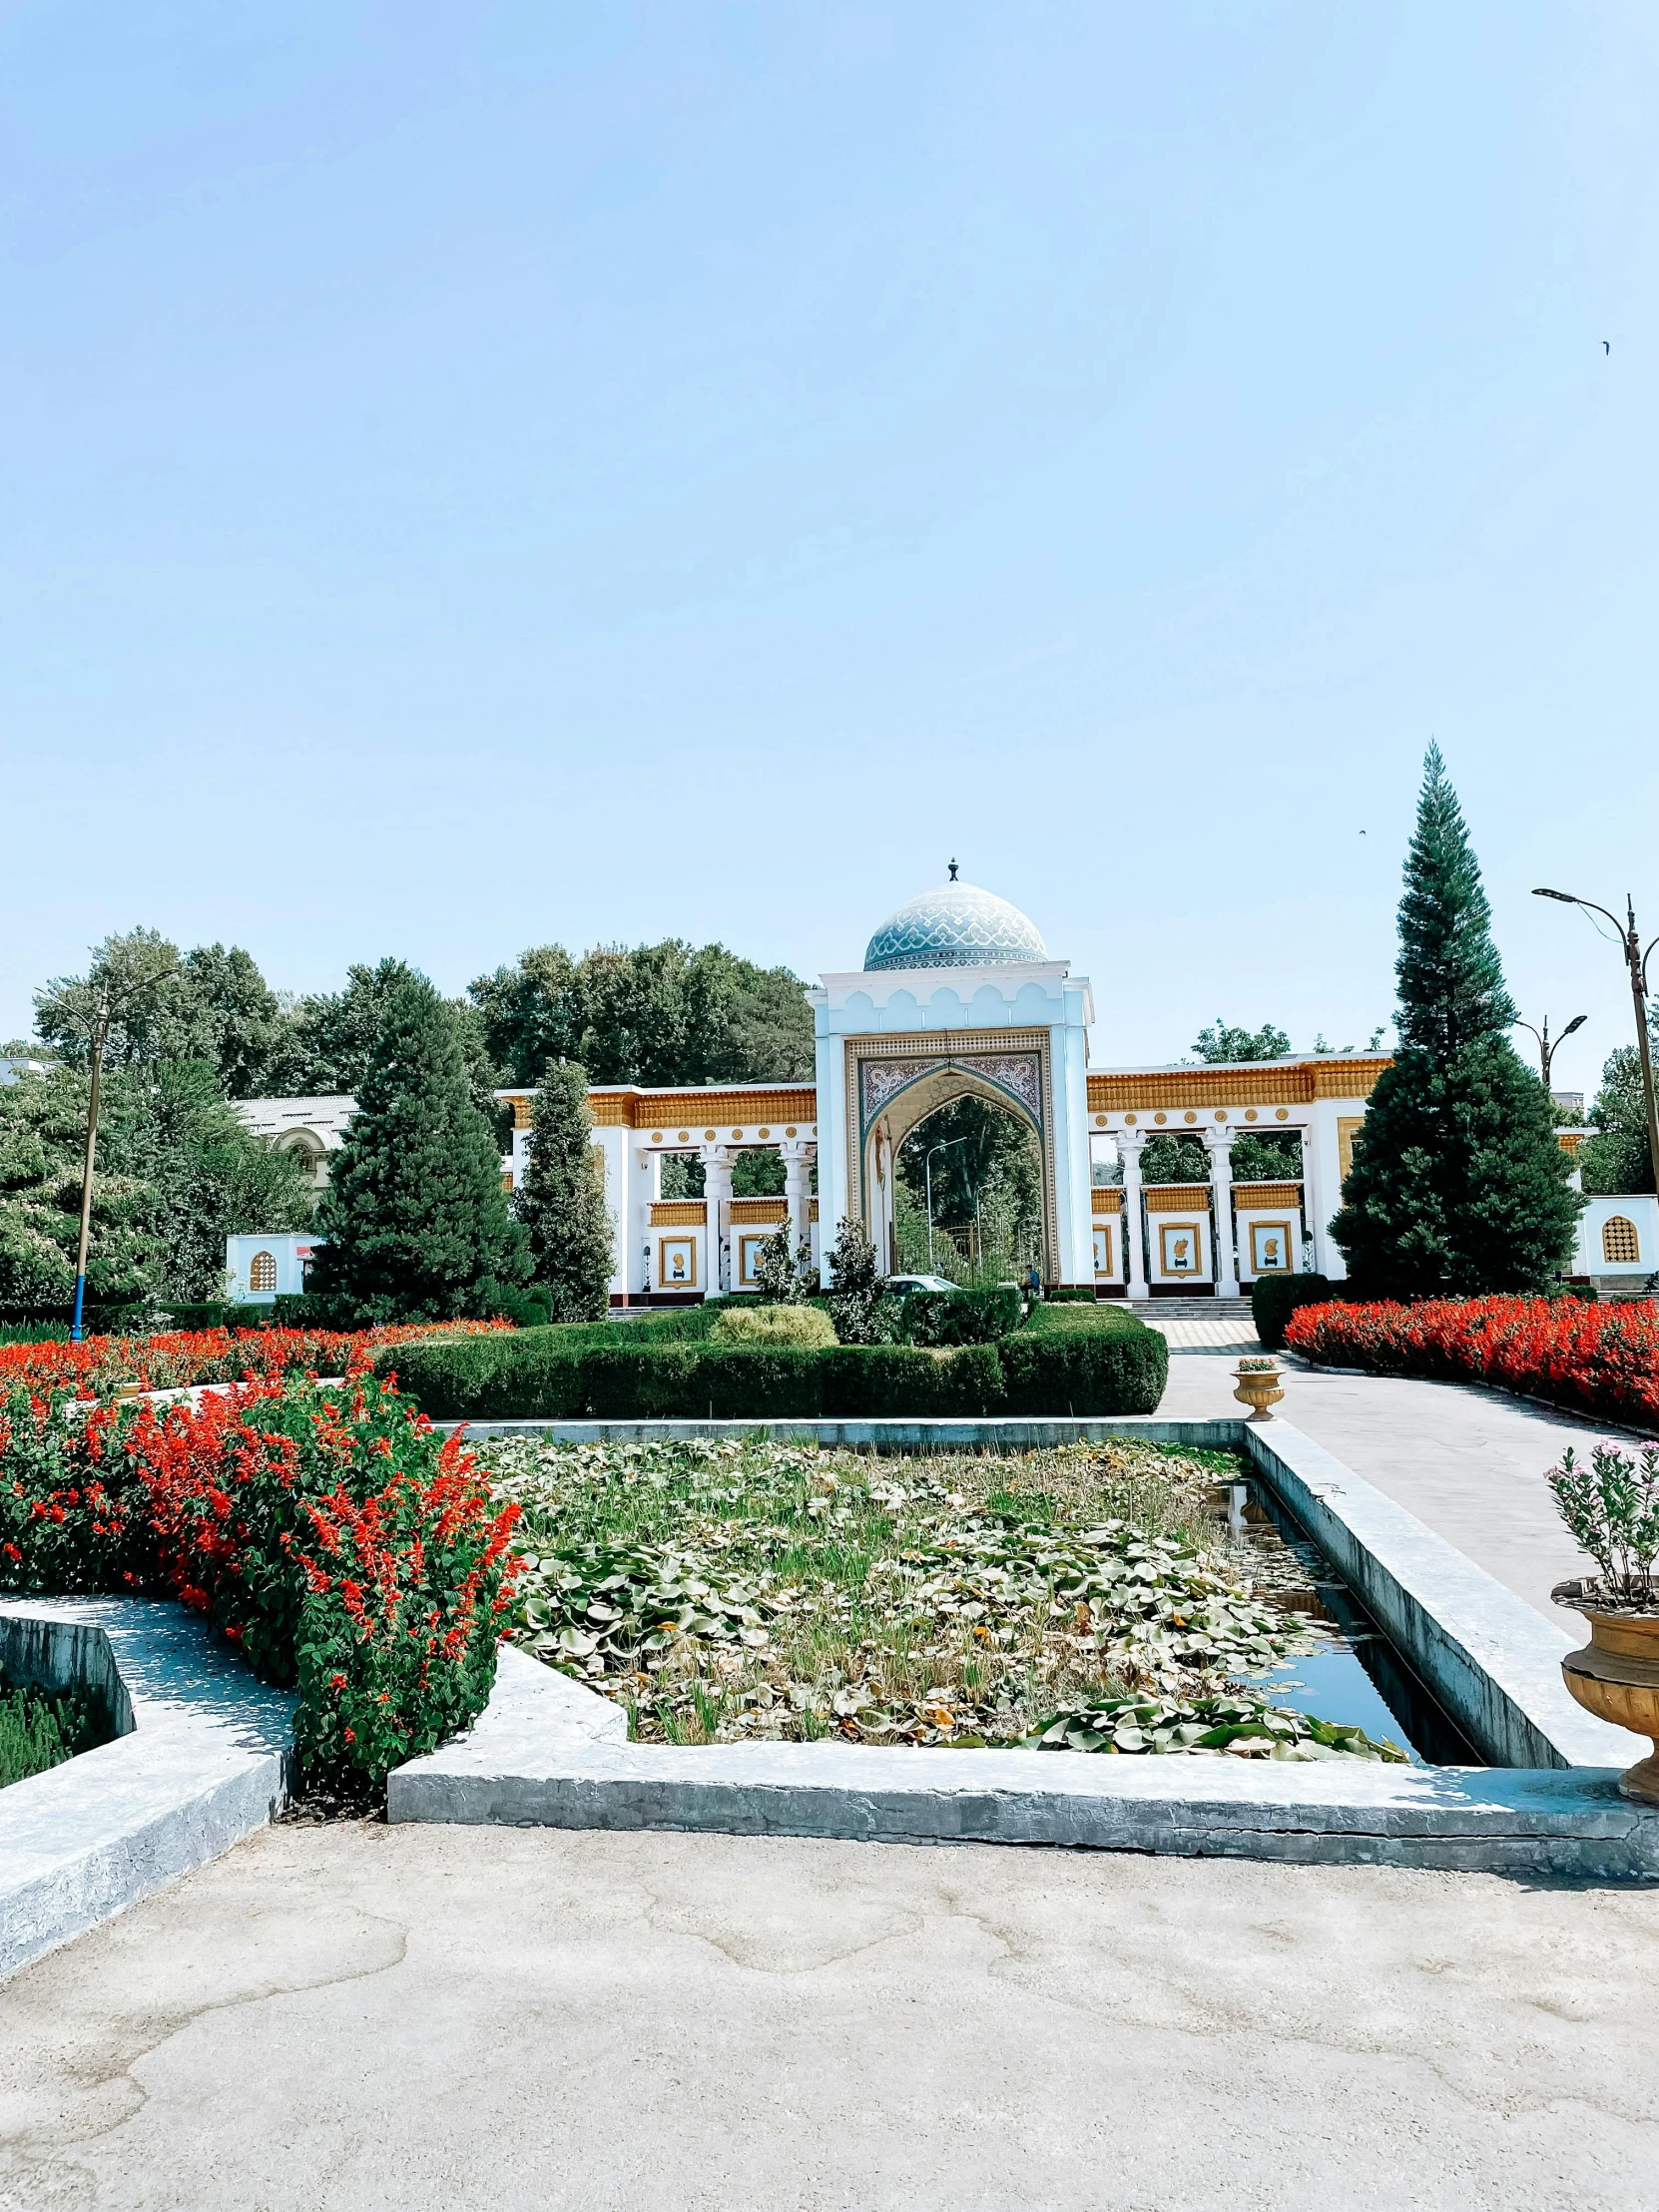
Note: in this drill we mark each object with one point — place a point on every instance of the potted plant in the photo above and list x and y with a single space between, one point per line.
1258 1387
1611 1507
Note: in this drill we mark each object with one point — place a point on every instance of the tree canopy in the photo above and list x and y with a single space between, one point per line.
1615 1158
178 1172
664 1015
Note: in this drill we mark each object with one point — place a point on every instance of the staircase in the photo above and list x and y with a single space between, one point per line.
1219 1327
1234 1311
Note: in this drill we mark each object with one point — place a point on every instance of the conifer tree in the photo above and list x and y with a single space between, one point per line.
1457 1186
560 1201
414 1222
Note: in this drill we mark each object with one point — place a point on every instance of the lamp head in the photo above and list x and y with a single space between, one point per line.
1566 897
1577 1022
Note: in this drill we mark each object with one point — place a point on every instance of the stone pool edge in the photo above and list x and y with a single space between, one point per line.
204 1759
548 1752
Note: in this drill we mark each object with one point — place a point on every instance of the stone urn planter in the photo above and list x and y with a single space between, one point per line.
1615 1675
1260 1386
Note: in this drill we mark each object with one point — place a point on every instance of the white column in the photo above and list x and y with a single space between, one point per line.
1219 1145
717 1191
1128 1147
796 1155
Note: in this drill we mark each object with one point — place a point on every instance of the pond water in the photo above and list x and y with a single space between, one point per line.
1357 1677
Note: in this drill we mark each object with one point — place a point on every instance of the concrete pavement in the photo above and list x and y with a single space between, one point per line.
370 2017
1467 1461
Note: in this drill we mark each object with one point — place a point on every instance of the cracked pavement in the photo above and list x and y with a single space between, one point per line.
356 2015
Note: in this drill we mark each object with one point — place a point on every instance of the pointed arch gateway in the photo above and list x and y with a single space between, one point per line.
899 1082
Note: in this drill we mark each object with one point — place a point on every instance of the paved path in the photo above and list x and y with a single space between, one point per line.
372 2019
1466 1461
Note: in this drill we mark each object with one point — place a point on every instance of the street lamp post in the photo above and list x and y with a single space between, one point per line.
99 1037
1636 959
1548 1047
927 1175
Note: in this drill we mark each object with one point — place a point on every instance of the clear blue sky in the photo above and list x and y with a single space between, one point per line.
474 476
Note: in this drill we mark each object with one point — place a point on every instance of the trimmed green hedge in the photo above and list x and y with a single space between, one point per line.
961 1317
543 1374
1275 1297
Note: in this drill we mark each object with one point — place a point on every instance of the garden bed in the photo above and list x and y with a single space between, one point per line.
1086 1597
1592 1358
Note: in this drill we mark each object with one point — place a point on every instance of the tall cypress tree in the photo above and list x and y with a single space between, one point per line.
415 1223
1457 1184
560 1201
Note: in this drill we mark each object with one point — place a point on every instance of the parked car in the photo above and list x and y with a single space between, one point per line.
904 1284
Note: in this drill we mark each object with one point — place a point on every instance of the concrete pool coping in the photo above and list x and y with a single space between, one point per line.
202 1759
548 1750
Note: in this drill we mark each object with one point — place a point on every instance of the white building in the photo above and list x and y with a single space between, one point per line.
311 1128
262 1269
958 997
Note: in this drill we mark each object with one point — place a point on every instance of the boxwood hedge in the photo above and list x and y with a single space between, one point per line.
541 1374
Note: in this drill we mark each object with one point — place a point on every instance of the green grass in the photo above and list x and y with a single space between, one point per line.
729 1592
38 1731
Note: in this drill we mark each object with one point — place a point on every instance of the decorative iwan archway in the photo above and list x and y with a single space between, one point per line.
901 1083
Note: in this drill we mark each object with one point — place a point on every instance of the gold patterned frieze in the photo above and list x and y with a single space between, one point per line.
1247 1196
1180 1090
679 1212
758 1209
624 1106
1106 1198
1179 1198
1569 1140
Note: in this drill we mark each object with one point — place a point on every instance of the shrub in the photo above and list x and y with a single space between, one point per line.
1085 1372
961 1317
1275 1297
1071 1294
530 1376
774 1325
1602 1359
344 1547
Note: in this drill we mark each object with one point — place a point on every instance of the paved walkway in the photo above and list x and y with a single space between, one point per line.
1466 1461
486 2019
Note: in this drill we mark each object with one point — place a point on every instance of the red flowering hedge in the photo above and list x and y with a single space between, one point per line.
189 1355
1597 1359
347 1547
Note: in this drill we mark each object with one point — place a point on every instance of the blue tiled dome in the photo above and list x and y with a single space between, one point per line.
957 926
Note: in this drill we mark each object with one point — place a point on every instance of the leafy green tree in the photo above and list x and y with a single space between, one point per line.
1457 1185
561 1201
1258 1159
328 1040
1169 1159
665 1015
1222 1041
1616 1157
415 1220
984 1146
211 1004
178 1173
171 1129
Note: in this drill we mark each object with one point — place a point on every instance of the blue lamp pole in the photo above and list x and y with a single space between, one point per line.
99 1038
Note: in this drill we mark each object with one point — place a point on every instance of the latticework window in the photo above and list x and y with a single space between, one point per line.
261 1271
1619 1240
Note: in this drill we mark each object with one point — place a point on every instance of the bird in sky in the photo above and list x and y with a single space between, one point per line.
1605 347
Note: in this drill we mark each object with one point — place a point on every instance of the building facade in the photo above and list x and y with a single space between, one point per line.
958 997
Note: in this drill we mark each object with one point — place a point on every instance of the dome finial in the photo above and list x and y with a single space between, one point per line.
953 871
